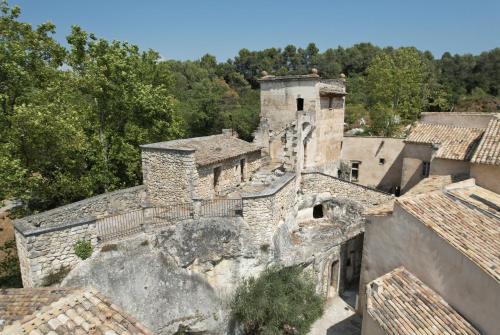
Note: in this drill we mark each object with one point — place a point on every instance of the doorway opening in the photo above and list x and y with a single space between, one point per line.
351 253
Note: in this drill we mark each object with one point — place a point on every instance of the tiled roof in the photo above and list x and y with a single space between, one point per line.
401 304
429 184
460 217
488 151
209 149
454 142
64 311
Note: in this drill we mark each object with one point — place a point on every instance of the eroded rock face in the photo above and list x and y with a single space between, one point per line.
183 275
177 275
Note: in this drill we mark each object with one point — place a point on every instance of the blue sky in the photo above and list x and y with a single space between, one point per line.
189 29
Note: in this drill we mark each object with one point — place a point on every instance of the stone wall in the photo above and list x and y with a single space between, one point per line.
102 205
45 241
487 176
47 255
317 182
262 212
169 175
229 178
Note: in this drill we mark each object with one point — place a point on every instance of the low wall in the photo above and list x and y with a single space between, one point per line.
317 182
101 205
45 241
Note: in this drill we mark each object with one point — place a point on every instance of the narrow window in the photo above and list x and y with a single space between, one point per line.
426 166
330 102
318 211
217 172
300 104
355 171
242 167
381 161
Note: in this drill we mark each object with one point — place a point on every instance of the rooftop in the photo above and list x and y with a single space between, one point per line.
488 151
63 311
456 143
208 149
467 217
401 304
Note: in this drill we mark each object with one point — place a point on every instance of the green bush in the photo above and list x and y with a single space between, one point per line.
83 249
280 301
10 272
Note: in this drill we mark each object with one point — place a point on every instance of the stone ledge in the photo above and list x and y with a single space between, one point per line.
348 182
271 189
26 229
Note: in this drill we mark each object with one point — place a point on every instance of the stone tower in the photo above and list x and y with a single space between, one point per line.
301 120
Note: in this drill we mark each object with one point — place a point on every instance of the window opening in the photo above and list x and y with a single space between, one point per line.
318 211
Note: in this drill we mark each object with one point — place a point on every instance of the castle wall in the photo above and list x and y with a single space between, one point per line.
263 212
278 100
45 258
230 176
316 182
169 175
369 151
101 205
324 145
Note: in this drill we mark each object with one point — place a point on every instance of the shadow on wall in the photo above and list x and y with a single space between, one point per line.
392 177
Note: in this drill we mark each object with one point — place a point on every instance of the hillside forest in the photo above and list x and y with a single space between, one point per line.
72 116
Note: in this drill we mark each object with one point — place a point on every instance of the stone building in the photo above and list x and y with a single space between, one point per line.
302 119
438 144
446 235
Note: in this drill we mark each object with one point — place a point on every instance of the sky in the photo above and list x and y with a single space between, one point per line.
189 29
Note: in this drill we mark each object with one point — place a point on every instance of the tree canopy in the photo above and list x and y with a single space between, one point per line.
72 118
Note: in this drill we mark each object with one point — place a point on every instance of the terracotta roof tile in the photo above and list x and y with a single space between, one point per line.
488 151
454 142
467 219
209 149
401 304
64 311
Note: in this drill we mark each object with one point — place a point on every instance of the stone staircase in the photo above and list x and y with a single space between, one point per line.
291 134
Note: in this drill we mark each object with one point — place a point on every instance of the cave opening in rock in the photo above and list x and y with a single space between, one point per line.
318 211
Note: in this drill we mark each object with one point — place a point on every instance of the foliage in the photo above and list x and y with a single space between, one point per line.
10 272
281 298
83 249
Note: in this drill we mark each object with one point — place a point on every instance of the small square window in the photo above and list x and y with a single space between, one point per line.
381 161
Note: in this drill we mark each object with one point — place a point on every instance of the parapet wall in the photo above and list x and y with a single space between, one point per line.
101 205
317 182
45 241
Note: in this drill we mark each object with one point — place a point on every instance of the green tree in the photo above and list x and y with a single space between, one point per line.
279 299
397 86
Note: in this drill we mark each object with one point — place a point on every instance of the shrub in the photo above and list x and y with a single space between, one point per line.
83 249
10 272
280 301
